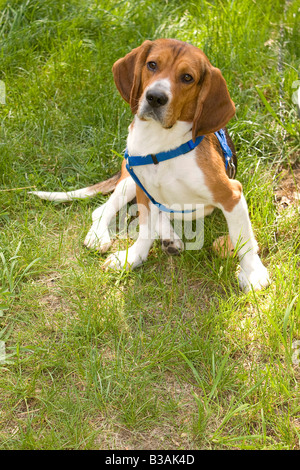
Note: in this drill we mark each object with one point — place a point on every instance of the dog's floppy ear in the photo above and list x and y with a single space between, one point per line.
127 74
214 106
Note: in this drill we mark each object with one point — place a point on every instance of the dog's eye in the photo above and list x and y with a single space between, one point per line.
152 66
187 78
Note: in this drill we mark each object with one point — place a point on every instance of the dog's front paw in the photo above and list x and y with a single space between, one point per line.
254 275
172 247
127 259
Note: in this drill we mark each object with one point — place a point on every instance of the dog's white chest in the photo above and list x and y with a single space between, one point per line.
178 181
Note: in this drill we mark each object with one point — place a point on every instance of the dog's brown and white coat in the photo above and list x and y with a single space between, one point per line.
175 95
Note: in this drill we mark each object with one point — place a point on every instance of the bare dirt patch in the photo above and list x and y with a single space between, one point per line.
288 191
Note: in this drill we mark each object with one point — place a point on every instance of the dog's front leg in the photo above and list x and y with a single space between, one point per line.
252 274
138 252
170 241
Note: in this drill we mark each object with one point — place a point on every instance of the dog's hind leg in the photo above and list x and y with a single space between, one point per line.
98 237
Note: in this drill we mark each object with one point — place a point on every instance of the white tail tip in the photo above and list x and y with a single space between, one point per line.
63 197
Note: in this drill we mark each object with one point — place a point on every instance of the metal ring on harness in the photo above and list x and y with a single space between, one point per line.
231 170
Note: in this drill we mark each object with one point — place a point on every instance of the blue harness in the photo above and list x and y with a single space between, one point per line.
163 156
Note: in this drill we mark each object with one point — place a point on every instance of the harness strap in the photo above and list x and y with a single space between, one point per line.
225 147
163 156
160 206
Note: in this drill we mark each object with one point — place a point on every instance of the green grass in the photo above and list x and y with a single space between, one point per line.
172 355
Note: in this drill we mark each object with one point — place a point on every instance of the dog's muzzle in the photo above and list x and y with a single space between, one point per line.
156 98
155 101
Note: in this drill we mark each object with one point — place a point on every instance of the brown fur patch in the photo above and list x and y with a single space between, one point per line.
143 205
225 191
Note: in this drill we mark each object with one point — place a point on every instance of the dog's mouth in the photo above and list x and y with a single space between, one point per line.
155 104
147 113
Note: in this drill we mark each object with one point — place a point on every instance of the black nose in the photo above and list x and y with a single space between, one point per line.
156 98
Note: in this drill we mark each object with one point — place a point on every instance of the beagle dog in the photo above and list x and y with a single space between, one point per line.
178 98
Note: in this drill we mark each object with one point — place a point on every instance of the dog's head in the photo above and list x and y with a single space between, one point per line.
168 80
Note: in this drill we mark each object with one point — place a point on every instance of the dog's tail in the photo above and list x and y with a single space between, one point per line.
103 187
